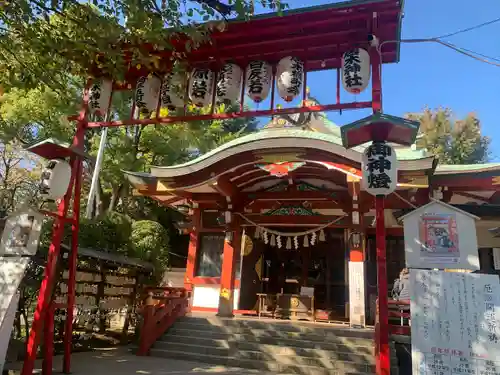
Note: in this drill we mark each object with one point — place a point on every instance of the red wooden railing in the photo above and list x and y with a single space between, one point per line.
400 310
162 307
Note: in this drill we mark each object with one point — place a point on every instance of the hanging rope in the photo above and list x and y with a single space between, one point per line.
289 234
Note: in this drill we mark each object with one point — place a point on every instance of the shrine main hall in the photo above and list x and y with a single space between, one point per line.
280 213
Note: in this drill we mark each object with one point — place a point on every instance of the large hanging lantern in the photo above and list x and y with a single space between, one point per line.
100 96
290 76
379 166
229 84
173 91
355 70
201 87
147 93
258 80
55 179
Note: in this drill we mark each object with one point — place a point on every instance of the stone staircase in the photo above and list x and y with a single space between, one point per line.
279 347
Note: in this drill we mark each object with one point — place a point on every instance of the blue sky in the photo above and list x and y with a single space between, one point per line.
432 75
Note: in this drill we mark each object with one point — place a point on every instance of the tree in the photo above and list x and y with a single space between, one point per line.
41 40
150 242
19 176
453 141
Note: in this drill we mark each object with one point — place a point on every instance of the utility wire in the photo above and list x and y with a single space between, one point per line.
476 56
468 29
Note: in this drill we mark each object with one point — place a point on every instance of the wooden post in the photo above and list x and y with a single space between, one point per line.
226 296
192 250
382 359
48 341
148 318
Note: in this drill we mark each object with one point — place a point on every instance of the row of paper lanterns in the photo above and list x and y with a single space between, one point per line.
170 92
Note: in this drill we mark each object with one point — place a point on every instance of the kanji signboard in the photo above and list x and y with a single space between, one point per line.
380 169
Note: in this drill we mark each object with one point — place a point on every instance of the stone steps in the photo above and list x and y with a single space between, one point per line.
280 347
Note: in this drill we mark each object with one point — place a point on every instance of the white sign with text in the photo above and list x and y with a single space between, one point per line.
455 325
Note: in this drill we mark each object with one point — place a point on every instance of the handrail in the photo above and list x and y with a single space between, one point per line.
159 313
399 309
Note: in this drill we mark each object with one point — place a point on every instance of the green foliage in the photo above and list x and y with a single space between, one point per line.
109 233
453 141
150 242
42 41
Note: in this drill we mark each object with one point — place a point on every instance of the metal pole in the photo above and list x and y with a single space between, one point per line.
97 169
383 359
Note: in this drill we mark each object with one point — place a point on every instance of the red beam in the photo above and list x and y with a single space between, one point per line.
318 205
225 116
277 220
295 195
472 196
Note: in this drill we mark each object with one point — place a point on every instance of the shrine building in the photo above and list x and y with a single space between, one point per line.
281 213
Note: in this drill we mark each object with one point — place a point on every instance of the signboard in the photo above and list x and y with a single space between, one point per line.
356 294
496 258
21 233
455 323
379 166
441 236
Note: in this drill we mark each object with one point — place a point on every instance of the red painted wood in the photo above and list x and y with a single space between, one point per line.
45 293
295 220
158 318
382 338
225 116
72 262
197 280
48 342
214 310
192 250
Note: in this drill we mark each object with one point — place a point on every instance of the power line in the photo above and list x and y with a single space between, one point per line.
476 56
468 29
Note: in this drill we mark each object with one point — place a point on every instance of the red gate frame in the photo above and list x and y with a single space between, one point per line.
371 15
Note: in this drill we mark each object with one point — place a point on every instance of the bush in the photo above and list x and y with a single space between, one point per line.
110 233
150 242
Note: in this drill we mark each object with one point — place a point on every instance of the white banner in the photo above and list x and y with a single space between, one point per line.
6 330
496 258
455 323
357 294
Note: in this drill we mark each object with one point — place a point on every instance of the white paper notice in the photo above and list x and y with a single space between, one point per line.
357 294
455 326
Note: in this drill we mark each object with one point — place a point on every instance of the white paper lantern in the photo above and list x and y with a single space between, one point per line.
201 87
100 96
55 179
229 84
290 77
258 80
173 91
379 166
147 93
355 70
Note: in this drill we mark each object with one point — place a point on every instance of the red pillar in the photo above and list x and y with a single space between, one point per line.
73 257
48 342
47 286
45 294
231 246
192 250
382 333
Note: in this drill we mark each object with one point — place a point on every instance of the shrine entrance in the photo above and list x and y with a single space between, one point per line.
320 269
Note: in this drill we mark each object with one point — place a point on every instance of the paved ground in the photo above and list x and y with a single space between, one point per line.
122 362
